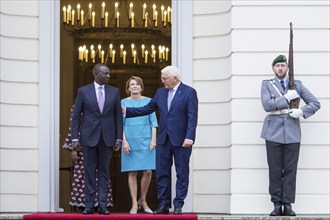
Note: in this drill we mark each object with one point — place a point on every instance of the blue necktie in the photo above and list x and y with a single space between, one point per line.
282 84
169 98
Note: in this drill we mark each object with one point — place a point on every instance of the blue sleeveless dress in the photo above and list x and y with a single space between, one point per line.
138 135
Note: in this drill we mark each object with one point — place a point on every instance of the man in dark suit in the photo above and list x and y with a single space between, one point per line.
98 132
178 107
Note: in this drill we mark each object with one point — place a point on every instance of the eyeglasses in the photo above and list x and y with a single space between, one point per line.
165 79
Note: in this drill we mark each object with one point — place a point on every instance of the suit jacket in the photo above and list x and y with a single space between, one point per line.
282 128
180 121
110 121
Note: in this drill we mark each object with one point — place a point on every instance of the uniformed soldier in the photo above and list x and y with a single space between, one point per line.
282 133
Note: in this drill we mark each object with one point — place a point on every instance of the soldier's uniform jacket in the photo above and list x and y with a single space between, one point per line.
282 128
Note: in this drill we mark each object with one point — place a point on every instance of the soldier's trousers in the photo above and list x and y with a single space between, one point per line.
282 162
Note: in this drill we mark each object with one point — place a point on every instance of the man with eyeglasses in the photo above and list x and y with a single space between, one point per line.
178 107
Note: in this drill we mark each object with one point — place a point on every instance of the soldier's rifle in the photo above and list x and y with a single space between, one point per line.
293 103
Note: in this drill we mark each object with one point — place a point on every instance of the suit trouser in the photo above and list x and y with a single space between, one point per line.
164 161
97 158
282 162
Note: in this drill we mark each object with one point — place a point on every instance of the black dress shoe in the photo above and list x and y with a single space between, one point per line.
87 211
177 211
288 210
162 210
277 210
103 211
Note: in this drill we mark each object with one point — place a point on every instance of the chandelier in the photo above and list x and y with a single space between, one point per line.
120 33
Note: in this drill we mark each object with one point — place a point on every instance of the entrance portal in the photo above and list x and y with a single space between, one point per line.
76 72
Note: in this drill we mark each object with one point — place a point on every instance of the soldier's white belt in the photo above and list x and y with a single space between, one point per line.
280 112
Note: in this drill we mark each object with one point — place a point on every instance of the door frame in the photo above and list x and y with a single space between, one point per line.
182 57
49 75
49 93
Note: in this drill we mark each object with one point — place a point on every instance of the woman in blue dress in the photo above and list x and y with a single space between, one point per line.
139 142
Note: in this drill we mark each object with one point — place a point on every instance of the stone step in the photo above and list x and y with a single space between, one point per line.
261 217
13 216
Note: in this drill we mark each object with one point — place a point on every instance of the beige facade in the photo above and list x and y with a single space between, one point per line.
234 45
224 50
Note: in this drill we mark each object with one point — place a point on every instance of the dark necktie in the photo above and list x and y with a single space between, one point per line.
100 99
282 84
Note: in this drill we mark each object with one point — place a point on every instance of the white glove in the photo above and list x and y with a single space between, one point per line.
296 113
291 94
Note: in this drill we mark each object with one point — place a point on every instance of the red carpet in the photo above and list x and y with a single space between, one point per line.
112 216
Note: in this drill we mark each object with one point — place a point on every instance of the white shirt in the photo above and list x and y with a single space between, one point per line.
176 88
